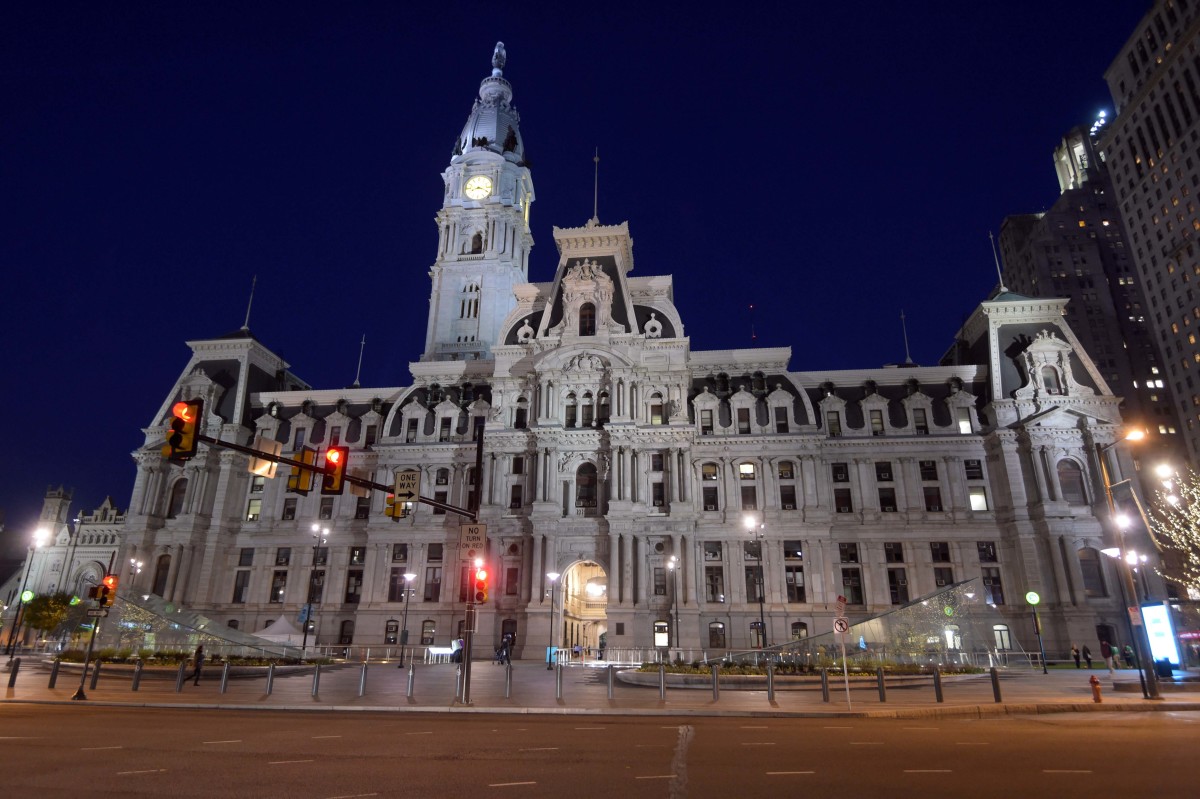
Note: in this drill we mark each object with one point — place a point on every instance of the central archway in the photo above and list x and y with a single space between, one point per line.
584 610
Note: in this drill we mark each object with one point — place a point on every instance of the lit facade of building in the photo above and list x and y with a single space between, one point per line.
668 486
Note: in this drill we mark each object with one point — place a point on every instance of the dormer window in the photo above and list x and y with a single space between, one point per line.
571 409
656 408
588 409
587 319
1050 380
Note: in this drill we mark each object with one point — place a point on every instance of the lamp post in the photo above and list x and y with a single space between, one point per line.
553 578
673 566
408 578
39 538
1033 599
1128 590
758 529
321 536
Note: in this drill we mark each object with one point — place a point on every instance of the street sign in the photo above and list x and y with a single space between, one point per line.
839 609
97 612
408 485
841 625
472 540
1135 615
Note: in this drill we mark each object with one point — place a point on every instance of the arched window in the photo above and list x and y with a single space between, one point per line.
1050 380
716 635
799 630
521 415
656 408
175 503
347 634
477 244
1070 477
570 406
589 410
1093 574
587 319
585 486
1002 636
232 624
161 569
602 408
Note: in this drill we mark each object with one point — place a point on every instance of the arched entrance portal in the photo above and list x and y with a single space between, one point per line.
583 610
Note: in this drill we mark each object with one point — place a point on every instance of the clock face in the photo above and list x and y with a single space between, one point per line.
478 187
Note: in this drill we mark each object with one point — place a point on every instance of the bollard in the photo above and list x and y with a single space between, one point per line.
95 676
54 672
1092 681
137 675
270 678
662 680
716 681
507 680
316 679
882 686
362 680
937 684
558 681
225 677
458 683
409 691
824 685
179 678
995 683
16 666
770 681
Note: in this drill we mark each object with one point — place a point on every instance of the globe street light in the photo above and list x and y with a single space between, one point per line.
757 529
40 536
673 567
321 536
408 578
553 578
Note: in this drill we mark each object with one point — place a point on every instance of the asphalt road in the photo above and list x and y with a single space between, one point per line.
57 751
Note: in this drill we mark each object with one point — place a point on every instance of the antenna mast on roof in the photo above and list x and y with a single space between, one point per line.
753 335
253 283
908 361
596 190
996 257
362 345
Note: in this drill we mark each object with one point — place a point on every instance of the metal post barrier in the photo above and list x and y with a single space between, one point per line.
770 681
178 677
558 672
270 678
507 680
137 675
316 689
225 677
716 681
824 685
995 684
882 685
662 680
12 676
362 680
409 690
937 684
458 681
54 672
96 675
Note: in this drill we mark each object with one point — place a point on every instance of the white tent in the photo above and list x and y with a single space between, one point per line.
281 631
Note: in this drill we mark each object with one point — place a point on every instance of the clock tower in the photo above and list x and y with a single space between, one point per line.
483 227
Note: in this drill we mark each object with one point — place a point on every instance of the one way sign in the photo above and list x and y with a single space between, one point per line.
408 485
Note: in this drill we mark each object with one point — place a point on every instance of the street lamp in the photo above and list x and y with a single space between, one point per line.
320 536
553 578
1128 590
408 578
758 529
673 566
40 537
1033 598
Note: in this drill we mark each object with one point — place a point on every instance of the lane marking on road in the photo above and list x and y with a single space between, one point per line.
866 743
232 741
540 749
589 728
786 773
20 737
143 771
922 728
315 737
350 795
649 746
758 743
972 743
283 762
657 777
748 727
97 748
427 732
837 728
508 784
928 771
1066 771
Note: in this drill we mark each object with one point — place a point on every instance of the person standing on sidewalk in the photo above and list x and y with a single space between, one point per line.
198 661
1075 654
1087 656
1107 652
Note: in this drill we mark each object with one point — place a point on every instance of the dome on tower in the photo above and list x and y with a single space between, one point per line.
494 125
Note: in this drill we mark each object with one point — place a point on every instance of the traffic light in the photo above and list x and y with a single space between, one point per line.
334 479
481 585
183 436
300 480
106 592
393 509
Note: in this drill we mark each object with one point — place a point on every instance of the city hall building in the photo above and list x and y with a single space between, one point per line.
680 496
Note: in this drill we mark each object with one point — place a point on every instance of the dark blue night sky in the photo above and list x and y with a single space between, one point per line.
829 163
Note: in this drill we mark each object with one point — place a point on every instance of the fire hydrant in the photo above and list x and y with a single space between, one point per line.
1095 683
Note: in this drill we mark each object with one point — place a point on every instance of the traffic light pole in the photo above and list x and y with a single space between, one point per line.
469 622
79 694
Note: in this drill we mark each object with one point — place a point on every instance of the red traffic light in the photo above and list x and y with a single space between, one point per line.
183 435
334 479
110 582
481 586
184 411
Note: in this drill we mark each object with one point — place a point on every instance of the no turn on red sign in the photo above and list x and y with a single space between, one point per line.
472 540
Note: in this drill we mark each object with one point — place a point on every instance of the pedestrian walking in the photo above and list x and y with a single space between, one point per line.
506 651
1087 655
1075 654
1129 659
198 664
1107 652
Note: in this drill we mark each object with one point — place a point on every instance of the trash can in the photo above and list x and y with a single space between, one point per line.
1162 668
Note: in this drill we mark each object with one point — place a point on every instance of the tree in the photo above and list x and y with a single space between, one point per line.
47 613
1176 526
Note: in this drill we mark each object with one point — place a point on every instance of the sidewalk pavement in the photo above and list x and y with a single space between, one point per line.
585 690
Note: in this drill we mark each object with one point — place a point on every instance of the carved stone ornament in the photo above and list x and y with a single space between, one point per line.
653 327
585 282
1046 363
524 332
585 362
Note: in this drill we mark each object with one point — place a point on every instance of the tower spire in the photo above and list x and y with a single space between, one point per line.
996 258
595 220
908 361
362 346
253 283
